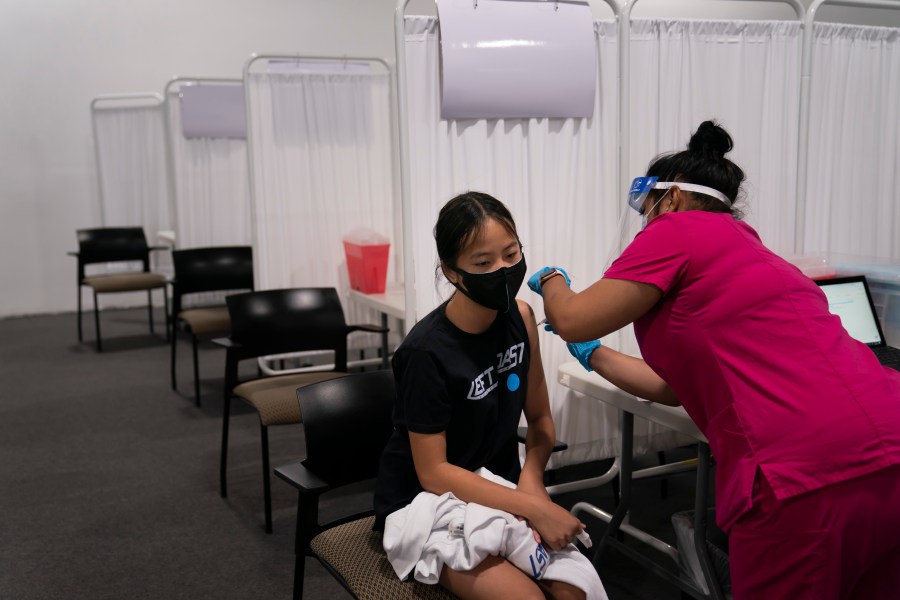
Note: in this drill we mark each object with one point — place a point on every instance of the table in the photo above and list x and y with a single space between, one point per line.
573 376
391 303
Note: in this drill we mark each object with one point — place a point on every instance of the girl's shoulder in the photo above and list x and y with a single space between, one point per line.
424 331
526 313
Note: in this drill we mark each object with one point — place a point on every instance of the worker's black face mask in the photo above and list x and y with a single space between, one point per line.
497 289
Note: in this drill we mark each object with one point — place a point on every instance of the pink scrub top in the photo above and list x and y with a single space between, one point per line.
750 349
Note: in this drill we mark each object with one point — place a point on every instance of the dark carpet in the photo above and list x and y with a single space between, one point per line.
110 483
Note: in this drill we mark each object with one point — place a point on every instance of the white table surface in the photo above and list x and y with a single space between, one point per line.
392 302
572 375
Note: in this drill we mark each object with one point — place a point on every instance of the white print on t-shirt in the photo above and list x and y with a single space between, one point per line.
482 385
485 383
512 357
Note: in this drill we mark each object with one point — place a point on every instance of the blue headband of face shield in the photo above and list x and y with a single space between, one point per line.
641 186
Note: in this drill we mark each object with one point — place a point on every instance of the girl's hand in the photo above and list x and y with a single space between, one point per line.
556 526
530 486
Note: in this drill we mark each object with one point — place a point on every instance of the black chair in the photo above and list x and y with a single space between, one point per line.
116 244
214 269
280 322
347 423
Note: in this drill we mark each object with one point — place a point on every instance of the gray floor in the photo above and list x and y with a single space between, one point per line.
110 479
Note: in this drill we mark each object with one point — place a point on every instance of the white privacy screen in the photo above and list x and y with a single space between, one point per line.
503 59
215 111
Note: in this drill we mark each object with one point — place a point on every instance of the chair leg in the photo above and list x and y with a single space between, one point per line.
80 333
166 310
196 371
150 308
226 410
267 486
299 572
97 323
307 521
663 483
174 344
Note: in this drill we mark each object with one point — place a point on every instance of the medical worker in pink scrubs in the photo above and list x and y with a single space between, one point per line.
803 421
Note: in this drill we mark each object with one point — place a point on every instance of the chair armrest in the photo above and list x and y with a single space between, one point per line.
368 328
75 254
225 343
298 476
154 248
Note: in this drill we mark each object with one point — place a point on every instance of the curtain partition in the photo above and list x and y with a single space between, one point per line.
130 147
321 147
743 74
129 140
853 184
210 183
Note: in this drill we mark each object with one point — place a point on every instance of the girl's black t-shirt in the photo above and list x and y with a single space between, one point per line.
471 386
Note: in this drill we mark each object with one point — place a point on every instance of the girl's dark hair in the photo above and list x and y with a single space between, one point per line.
463 218
703 163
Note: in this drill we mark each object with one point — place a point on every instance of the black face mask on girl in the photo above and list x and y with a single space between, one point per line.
497 289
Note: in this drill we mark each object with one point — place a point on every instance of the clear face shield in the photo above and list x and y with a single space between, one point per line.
640 189
631 217
631 222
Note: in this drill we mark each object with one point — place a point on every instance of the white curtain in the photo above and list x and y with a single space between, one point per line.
853 199
131 153
743 74
558 177
321 156
211 186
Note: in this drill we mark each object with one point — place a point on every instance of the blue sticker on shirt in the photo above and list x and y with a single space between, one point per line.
512 382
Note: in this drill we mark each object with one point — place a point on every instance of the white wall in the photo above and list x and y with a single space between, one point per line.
59 54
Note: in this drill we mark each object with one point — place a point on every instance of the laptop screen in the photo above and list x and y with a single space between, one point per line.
849 300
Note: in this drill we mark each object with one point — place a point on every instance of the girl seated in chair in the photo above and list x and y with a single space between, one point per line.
455 506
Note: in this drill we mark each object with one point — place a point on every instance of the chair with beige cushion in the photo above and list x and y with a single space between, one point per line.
346 424
274 322
116 245
199 270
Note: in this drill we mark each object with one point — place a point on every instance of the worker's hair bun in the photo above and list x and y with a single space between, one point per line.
710 139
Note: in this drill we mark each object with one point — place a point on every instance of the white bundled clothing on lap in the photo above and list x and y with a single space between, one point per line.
433 531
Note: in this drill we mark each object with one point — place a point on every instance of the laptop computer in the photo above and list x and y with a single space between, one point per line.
850 299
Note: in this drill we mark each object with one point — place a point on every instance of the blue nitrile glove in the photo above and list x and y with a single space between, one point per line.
582 351
534 282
